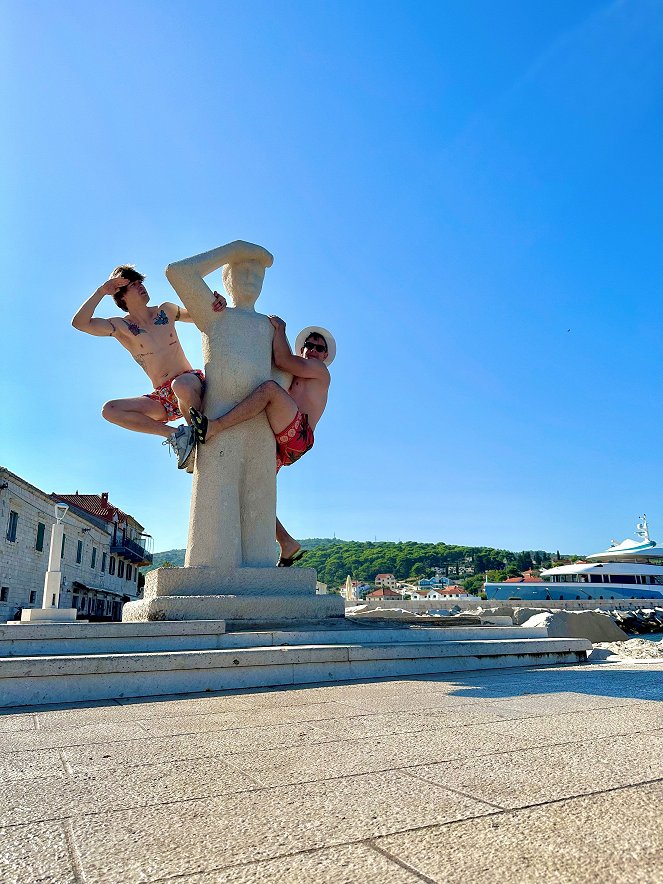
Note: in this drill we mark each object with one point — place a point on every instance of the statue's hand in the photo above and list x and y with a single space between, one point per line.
219 303
278 323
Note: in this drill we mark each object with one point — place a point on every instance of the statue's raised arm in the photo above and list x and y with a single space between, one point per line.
187 276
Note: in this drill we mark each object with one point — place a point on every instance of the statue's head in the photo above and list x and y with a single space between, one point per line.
243 281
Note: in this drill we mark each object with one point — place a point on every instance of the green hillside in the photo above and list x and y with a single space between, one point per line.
334 559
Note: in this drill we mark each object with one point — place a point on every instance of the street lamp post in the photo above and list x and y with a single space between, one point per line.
53 578
50 612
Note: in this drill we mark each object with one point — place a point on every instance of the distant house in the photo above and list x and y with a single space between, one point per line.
446 592
523 580
431 582
419 594
386 580
383 593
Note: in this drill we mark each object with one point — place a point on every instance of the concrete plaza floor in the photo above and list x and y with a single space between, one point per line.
541 774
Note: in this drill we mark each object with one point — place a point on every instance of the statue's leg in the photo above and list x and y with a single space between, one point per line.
258 494
215 536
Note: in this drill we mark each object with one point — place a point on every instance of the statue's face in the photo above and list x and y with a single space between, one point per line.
243 282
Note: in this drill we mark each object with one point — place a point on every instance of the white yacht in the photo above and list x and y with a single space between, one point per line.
632 569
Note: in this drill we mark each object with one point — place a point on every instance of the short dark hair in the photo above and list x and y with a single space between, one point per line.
128 272
316 335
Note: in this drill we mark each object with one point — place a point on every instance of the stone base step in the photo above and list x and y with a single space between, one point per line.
25 640
58 679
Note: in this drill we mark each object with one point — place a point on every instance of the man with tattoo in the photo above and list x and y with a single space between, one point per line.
148 333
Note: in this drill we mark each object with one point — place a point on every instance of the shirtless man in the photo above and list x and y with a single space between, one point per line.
292 415
148 333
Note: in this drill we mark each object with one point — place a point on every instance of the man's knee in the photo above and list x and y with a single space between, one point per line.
186 386
269 388
110 409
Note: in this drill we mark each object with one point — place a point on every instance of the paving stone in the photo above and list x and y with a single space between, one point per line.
616 837
348 864
581 724
17 765
198 836
49 798
196 745
17 723
315 713
531 776
133 709
347 757
35 854
375 724
553 704
83 735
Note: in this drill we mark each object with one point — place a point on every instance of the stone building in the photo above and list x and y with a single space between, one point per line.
101 552
386 580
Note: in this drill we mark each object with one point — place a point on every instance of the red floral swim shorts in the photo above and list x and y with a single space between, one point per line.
165 396
293 441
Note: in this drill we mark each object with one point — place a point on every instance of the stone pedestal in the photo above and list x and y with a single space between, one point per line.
240 597
48 615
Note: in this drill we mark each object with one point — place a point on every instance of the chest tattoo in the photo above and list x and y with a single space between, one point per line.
161 318
133 328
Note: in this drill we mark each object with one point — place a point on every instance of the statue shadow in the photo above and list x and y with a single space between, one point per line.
639 682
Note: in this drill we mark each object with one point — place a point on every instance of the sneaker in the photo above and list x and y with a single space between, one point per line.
182 442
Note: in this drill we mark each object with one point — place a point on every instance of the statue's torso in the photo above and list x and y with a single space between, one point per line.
237 352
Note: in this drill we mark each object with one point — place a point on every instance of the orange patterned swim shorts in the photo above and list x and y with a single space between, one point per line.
164 395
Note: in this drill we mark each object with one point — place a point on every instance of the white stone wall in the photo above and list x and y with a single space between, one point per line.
23 567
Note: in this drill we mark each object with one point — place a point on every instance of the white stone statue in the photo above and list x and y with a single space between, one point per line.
230 571
233 503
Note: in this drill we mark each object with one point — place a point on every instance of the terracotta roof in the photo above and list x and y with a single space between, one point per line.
96 504
383 575
383 593
523 580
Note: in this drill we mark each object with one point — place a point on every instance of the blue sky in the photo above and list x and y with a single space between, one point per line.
467 194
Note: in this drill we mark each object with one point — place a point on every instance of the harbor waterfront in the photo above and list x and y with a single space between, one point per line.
626 570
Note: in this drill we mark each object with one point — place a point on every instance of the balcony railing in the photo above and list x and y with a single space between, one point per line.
131 550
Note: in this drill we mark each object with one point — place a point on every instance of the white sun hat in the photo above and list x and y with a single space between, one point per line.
318 330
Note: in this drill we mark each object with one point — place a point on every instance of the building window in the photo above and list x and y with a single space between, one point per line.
33 596
120 568
111 566
4 593
64 540
39 545
74 601
103 563
128 572
79 552
11 527
93 561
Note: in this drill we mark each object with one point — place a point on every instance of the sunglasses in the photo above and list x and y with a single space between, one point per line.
309 345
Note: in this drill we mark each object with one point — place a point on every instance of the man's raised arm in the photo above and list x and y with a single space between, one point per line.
186 276
285 360
85 321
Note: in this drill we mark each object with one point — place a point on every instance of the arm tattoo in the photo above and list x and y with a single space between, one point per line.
112 325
